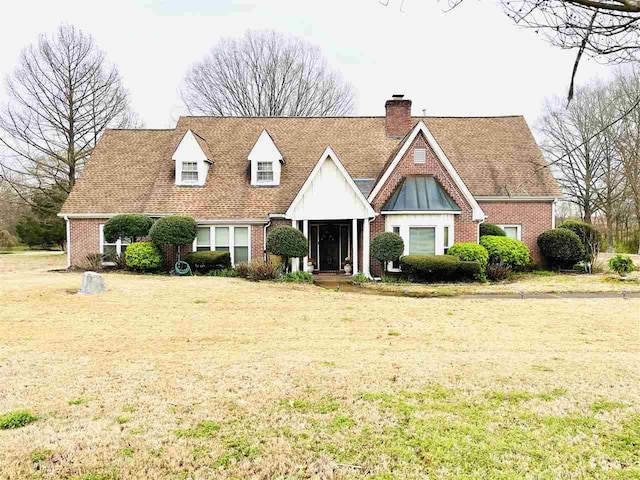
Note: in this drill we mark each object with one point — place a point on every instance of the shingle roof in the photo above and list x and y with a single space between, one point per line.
132 170
420 193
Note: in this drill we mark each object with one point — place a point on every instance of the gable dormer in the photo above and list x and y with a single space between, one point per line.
191 160
266 162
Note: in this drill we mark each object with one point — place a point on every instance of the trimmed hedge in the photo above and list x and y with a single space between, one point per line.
492 230
469 252
387 247
439 268
174 231
131 226
589 236
507 251
143 257
204 262
560 247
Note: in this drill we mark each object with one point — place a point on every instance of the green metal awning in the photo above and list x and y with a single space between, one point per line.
420 193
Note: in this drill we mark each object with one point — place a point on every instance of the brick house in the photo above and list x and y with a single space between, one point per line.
339 180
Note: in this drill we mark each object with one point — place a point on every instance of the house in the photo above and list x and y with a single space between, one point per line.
341 180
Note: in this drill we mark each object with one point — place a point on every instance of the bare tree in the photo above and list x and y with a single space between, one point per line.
265 74
61 97
572 143
627 90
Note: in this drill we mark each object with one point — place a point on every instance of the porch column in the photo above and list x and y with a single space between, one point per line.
294 261
354 250
305 231
365 247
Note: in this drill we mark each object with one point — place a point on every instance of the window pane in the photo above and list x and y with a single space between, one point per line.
222 249
222 237
446 237
190 171
241 254
265 172
512 232
241 236
422 241
396 264
204 236
110 253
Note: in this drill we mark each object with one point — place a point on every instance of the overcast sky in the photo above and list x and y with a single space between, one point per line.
471 61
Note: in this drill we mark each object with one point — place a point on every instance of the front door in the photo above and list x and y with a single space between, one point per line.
329 248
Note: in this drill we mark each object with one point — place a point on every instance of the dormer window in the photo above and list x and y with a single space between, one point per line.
193 160
190 172
265 172
266 162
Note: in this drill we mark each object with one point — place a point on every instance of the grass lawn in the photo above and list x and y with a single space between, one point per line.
222 378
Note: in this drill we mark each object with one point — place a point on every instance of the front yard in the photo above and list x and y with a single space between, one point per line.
208 377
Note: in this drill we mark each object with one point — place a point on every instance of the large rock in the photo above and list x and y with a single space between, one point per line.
92 282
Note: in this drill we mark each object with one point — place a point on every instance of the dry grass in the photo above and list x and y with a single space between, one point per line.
215 377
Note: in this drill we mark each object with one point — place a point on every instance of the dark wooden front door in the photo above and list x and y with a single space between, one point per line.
329 248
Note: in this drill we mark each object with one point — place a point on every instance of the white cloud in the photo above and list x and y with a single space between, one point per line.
471 61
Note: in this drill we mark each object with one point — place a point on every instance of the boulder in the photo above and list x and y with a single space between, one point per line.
92 282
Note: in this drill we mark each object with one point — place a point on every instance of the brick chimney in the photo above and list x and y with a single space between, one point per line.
398 117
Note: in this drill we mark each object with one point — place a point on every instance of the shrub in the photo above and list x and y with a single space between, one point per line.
506 250
16 419
7 240
288 242
174 231
387 247
131 226
491 230
260 270
225 272
621 264
143 257
498 271
204 262
439 268
589 236
92 262
359 279
560 247
298 277
468 252
242 269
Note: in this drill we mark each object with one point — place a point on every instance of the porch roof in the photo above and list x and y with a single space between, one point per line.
420 193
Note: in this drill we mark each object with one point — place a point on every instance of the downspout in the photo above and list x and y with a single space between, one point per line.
478 234
264 250
68 227
369 242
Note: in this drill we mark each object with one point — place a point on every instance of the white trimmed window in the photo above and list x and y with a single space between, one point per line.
395 265
445 238
422 241
264 172
512 231
111 250
190 172
419 155
233 239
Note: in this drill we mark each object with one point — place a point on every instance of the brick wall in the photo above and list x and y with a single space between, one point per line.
465 229
85 238
535 218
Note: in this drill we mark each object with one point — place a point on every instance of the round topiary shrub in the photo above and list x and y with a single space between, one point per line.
589 236
143 257
288 242
387 247
174 231
491 229
506 251
560 247
468 252
131 226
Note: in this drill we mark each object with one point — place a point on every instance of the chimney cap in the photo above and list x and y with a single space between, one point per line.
397 96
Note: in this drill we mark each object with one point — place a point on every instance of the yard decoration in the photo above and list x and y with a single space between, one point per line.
387 247
491 229
92 282
561 248
469 251
589 236
288 242
131 226
622 265
143 257
176 231
505 250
